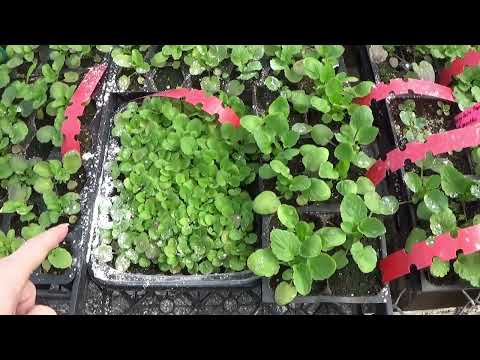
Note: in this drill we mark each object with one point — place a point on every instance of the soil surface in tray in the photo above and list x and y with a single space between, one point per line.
349 281
427 108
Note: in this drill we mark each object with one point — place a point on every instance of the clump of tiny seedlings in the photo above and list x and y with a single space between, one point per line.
180 204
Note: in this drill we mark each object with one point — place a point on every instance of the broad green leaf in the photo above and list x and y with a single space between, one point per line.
263 263
311 246
435 201
60 258
365 257
321 134
344 152
353 209
285 244
266 203
279 105
285 293
442 222
322 266
302 279
319 190
345 187
327 171
362 117
280 168
331 237
288 216
371 227
364 185
300 183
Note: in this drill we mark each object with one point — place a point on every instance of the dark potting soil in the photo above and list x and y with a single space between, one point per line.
427 108
349 281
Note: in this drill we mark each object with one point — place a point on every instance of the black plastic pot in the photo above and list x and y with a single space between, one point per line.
320 290
106 274
422 292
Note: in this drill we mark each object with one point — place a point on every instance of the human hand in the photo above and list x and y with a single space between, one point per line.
17 292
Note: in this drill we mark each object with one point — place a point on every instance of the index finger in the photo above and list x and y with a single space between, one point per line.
32 253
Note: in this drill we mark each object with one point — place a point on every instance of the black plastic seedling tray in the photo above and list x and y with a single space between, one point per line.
427 294
320 289
73 241
106 274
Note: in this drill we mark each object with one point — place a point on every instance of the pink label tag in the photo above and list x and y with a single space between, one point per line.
445 247
210 104
71 125
468 116
400 87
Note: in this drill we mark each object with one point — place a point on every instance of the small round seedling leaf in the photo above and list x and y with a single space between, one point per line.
60 258
322 266
280 168
345 187
285 293
123 82
266 203
301 128
300 183
279 105
311 246
444 221
353 209
19 132
321 134
72 162
413 182
344 152
365 257
439 268
285 244
272 83
435 201
266 172
327 171
45 134
371 227
319 190
263 263
288 216
331 237
362 117
43 185
366 135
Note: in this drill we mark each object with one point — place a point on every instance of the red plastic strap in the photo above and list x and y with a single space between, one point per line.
400 87
453 140
468 117
211 104
471 58
71 125
445 247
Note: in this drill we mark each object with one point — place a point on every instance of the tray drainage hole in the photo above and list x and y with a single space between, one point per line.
230 305
166 306
413 268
